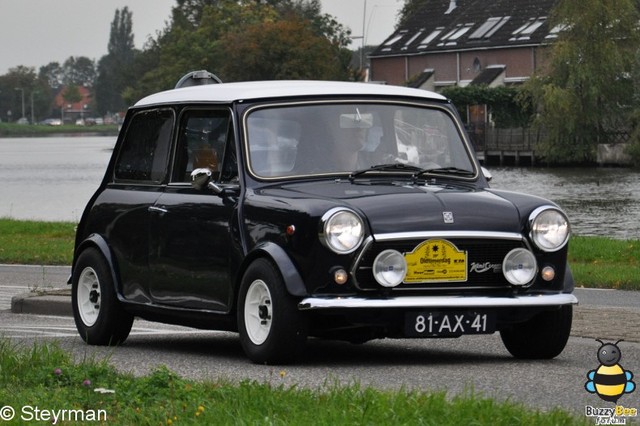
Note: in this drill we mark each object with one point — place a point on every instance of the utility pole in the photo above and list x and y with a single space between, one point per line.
33 119
362 37
21 90
364 18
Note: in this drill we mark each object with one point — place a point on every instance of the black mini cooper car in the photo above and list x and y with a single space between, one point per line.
288 209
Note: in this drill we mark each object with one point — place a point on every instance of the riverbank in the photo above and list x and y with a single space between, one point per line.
596 262
11 130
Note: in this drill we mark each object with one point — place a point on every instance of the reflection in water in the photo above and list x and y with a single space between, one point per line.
599 201
52 178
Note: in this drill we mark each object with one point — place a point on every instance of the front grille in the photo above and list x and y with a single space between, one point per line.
486 254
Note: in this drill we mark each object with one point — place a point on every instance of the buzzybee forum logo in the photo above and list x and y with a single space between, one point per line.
610 381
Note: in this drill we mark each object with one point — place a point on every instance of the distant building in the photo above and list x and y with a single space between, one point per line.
70 112
462 42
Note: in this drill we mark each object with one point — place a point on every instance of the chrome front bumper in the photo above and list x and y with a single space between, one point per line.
436 302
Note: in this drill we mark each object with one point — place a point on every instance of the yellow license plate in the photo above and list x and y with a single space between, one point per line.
434 261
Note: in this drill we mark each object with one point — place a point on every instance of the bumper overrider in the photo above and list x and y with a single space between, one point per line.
539 300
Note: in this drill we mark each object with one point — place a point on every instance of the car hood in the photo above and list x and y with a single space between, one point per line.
397 207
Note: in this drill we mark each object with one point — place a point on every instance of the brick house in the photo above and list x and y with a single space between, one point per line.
461 42
72 111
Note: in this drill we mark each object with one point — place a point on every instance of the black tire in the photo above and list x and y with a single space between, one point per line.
542 337
99 316
272 329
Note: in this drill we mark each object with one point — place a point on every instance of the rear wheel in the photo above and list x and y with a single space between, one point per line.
542 337
98 314
272 329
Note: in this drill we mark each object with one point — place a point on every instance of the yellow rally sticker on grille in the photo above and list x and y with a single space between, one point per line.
436 261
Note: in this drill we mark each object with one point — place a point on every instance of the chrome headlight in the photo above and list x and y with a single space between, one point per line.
519 267
342 230
550 228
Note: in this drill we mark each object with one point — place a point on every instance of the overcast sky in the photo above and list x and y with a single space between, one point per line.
36 32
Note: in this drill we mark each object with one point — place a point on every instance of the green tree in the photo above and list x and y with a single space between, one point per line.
79 71
634 141
204 34
72 94
115 69
322 24
586 92
266 51
26 80
509 106
409 10
52 73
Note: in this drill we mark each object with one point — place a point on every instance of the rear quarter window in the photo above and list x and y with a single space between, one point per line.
144 153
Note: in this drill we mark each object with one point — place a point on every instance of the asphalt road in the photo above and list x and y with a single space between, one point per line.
470 363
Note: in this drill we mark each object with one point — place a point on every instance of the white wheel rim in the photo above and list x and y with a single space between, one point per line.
88 297
258 312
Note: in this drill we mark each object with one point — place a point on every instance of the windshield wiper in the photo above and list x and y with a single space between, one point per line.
386 167
444 170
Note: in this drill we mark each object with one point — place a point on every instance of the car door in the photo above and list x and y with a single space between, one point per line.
194 232
121 212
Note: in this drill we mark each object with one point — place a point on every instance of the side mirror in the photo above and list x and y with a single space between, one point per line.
202 179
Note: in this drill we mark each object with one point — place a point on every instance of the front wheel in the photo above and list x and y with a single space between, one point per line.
98 315
272 329
542 337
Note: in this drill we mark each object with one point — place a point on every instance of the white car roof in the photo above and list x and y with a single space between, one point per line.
229 92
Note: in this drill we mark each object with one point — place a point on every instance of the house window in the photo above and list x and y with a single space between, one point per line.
525 31
489 28
477 66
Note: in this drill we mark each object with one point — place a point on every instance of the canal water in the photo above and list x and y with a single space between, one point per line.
52 178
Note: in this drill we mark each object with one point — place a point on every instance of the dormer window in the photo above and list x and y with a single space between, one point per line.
450 39
428 39
393 40
556 30
412 39
489 28
525 31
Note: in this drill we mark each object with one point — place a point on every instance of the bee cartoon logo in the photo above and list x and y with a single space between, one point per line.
609 381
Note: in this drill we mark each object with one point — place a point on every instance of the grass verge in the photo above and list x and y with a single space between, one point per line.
605 263
30 130
36 243
45 377
595 261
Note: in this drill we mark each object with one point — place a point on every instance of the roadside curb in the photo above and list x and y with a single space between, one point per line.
51 302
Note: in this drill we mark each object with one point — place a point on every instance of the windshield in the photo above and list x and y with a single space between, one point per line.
338 138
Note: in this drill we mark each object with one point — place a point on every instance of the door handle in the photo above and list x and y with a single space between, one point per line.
160 210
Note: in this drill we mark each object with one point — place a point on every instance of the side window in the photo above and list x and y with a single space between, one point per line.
202 140
145 151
